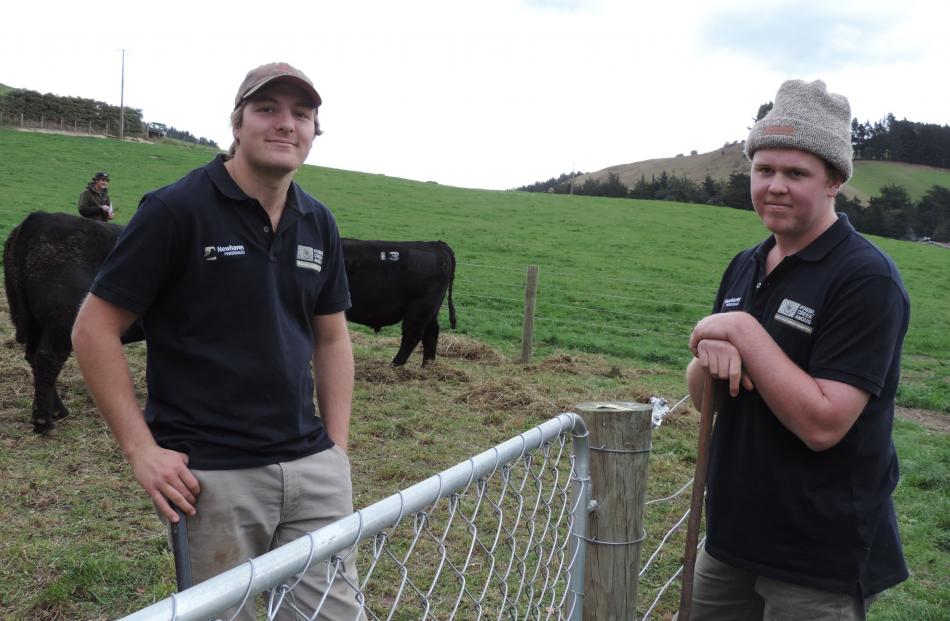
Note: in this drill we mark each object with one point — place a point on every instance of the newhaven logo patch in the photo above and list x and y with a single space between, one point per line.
211 253
796 315
731 302
309 258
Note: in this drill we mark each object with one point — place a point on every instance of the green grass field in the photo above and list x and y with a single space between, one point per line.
870 177
621 284
624 278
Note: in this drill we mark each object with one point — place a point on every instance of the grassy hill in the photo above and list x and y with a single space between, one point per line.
869 176
619 277
718 164
4 89
621 284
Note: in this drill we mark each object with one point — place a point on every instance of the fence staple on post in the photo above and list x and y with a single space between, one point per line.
527 328
620 441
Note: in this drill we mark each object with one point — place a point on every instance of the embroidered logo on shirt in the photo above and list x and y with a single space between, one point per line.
796 315
212 253
309 258
391 255
731 302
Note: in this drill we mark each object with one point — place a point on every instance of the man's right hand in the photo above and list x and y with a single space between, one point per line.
165 476
722 360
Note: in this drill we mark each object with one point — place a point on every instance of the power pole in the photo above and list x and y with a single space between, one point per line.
122 101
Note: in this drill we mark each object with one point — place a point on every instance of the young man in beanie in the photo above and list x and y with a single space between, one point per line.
806 332
94 202
237 275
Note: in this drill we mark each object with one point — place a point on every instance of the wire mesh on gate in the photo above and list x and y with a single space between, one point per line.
495 537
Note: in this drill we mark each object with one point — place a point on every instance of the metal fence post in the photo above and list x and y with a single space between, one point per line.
620 441
527 327
581 494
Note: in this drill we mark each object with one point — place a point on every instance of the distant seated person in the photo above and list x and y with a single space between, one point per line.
94 202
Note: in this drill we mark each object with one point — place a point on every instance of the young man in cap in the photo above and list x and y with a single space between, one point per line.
94 202
238 277
807 332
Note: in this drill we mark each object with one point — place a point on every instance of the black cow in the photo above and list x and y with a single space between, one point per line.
401 281
49 261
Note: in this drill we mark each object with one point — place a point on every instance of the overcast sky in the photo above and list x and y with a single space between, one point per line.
490 93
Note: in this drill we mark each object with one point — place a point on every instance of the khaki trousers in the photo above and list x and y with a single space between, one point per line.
245 513
723 593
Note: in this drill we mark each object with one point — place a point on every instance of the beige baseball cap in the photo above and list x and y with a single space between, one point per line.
257 79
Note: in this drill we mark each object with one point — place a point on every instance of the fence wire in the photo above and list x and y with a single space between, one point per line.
496 537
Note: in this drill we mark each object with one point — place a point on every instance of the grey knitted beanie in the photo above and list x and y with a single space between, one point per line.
807 117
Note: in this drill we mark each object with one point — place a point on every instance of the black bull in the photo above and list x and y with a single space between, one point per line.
401 281
50 260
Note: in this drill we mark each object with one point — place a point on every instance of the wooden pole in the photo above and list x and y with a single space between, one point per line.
712 393
527 326
121 103
620 440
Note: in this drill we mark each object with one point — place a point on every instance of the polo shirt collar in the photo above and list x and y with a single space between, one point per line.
818 249
222 180
826 242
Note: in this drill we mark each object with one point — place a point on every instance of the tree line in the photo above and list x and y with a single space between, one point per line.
179 134
75 110
890 214
902 141
893 214
78 111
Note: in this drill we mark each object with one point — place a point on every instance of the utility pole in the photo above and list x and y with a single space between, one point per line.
122 101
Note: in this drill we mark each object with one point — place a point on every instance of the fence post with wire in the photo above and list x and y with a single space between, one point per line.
620 443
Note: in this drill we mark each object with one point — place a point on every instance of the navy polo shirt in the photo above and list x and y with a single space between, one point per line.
227 305
839 310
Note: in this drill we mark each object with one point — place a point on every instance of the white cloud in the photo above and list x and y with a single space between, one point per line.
497 93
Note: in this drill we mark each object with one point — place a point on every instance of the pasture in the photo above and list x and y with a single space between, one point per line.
871 176
621 283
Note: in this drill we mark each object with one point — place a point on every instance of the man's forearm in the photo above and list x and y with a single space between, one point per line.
819 412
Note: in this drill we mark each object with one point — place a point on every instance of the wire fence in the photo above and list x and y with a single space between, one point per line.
498 536
647 319
60 123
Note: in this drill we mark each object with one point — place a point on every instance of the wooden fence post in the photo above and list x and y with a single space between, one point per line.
527 326
21 119
620 440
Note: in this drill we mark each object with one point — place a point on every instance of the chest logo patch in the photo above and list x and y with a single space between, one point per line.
796 315
731 302
211 253
309 258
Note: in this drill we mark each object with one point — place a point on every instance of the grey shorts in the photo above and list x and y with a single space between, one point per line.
723 593
245 513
